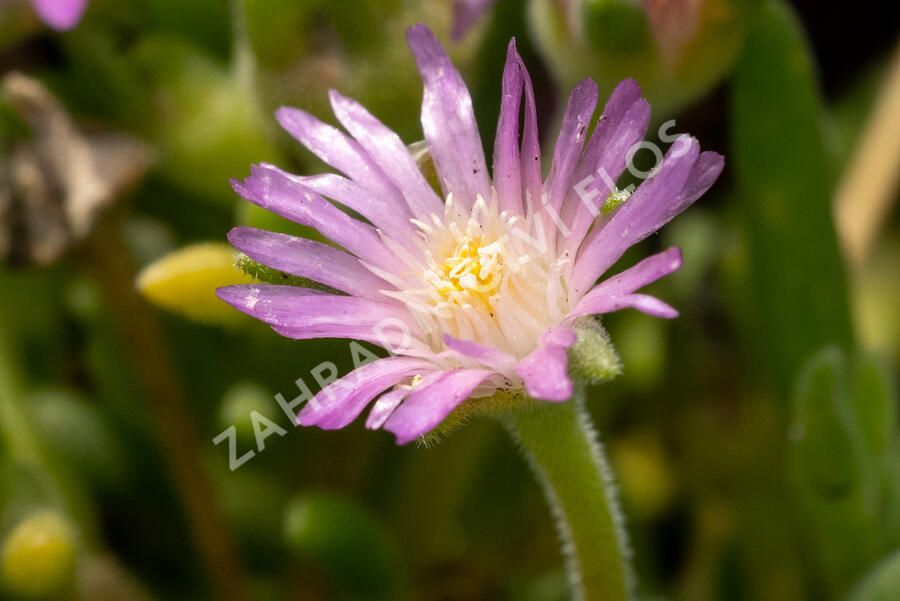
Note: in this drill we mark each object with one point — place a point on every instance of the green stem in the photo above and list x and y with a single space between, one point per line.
21 443
562 447
15 429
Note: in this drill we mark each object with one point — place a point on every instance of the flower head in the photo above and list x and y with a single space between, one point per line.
474 289
60 14
466 13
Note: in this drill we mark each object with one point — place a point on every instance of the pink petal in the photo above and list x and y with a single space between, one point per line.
297 308
532 183
640 216
621 126
384 406
302 314
623 97
271 189
545 370
391 218
339 403
507 162
703 175
572 135
449 121
341 152
617 292
309 259
428 405
486 355
389 153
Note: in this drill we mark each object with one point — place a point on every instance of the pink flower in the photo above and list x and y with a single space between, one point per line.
60 14
466 13
474 290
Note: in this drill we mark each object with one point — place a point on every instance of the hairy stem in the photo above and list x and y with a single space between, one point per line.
562 448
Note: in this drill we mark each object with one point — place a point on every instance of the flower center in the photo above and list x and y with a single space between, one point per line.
471 272
487 277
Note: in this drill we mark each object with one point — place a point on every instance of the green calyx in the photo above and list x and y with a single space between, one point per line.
498 404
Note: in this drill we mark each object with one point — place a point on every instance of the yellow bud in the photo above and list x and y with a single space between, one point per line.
185 282
38 556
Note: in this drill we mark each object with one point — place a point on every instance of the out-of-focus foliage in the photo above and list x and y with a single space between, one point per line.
615 39
353 546
784 184
843 445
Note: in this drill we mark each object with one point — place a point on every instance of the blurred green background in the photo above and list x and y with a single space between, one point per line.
754 439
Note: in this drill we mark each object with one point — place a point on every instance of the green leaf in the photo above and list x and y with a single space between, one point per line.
834 477
882 583
875 403
784 184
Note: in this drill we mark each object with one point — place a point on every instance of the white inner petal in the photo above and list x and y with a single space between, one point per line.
487 277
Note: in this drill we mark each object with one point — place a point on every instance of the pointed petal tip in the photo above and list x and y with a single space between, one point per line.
258 169
675 258
631 85
715 162
291 119
587 84
284 112
424 45
237 185
231 295
238 234
304 418
402 440
419 29
339 101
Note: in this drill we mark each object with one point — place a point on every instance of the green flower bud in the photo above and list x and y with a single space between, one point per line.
593 356
676 50
615 26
